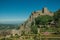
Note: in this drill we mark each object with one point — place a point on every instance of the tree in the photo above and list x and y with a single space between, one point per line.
57 21
43 19
57 18
34 29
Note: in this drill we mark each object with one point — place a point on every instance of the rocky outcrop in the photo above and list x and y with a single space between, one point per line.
32 17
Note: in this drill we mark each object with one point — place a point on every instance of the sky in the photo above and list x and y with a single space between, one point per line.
16 11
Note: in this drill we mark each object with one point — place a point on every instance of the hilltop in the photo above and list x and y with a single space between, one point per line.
26 25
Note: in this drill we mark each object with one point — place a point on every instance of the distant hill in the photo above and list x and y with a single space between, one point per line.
8 26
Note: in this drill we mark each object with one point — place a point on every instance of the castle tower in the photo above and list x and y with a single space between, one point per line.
46 11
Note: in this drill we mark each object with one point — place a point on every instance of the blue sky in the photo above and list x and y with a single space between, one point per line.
19 10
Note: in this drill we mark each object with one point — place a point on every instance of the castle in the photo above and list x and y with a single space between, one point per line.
25 26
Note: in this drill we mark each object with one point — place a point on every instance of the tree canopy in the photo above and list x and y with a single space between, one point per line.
57 18
43 19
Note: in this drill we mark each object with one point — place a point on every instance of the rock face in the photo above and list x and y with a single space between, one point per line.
25 26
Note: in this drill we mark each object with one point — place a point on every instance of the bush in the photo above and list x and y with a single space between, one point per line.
34 29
